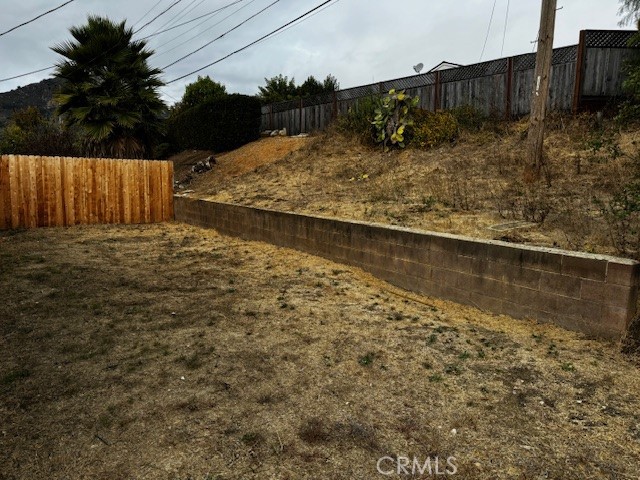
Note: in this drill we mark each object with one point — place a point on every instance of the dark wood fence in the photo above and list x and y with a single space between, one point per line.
581 75
63 191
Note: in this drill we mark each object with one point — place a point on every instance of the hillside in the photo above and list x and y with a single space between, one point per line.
472 187
39 95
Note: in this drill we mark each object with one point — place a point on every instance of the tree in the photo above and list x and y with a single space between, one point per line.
109 90
202 90
311 86
28 132
278 89
330 84
630 11
630 109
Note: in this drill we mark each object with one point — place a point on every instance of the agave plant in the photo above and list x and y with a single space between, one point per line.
109 90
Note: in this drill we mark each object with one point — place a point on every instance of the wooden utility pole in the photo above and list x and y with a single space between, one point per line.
540 93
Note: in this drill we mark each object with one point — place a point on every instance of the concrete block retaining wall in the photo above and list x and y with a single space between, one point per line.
594 294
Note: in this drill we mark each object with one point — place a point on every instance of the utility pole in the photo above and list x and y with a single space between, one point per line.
540 93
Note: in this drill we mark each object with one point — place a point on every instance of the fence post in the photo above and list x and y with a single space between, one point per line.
300 117
577 87
334 113
380 88
436 93
271 116
507 113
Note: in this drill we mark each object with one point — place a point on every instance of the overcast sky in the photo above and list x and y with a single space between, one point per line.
358 41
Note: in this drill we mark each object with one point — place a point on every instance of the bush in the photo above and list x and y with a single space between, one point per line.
431 129
469 117
357 121
622 214
219 125
28 132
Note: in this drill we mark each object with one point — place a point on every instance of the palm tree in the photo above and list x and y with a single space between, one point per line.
109 90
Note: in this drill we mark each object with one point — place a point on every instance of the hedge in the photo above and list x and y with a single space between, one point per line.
219 125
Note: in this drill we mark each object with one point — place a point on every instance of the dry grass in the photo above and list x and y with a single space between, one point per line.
171 352
463 188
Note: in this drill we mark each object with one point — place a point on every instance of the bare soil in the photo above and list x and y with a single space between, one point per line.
171 352
469 187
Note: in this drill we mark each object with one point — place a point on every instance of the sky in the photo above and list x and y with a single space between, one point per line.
357 41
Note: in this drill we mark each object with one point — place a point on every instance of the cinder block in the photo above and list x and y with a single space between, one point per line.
584 267
504 254
446 277
566 285
444 244
616 295
616 318
589 311
623 274
443 259
485 302
521 276
469 248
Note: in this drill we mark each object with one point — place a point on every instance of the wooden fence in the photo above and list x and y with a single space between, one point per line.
589 73
61 191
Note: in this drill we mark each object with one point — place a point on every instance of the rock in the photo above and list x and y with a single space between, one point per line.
265 133
274 133
283 132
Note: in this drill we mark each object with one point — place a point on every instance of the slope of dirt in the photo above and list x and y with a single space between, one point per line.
464 188
171 352
232 164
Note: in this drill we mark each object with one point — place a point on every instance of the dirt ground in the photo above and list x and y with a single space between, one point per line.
473 187
170 352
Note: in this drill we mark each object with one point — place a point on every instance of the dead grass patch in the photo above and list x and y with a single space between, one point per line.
166 353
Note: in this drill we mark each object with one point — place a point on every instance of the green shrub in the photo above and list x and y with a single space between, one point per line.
219 125
469 117
393 117
28 132
622 214
431 129
357 121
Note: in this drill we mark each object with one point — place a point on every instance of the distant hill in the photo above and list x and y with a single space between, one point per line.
39 95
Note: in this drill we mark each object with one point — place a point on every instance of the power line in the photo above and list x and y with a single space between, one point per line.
504 33
36 18
488 29
296 24
220 36
252 43
25 74
177 37
177 16
190 21
159 15
147 13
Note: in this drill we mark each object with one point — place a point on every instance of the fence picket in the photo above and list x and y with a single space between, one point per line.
62 191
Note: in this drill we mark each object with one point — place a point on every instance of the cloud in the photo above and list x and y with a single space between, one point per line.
358 41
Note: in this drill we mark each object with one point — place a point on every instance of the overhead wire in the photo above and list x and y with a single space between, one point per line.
298 23
221 36
147 13
504 33
36 18
488 29
6 79
306 14
159 15
177 37
192 20
177 16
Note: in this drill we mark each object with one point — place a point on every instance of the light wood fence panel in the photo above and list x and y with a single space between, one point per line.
62 191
